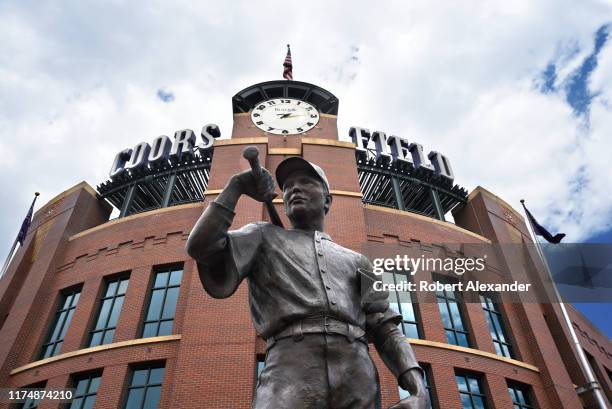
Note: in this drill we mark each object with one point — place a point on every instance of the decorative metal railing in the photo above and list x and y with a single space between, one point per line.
152 187
406 188
174 183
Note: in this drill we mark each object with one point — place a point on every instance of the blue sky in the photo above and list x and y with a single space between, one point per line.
576 86
516 94
599 314
579 94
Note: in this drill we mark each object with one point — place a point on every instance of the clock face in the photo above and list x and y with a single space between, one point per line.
285 116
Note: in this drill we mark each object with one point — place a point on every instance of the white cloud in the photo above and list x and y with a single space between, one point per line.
79 81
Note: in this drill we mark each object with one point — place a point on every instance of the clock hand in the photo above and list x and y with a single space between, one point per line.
282 116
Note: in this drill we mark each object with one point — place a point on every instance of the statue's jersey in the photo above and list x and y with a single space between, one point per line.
292 275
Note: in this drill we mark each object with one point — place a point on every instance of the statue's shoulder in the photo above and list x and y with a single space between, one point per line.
249 229
356 256
269 229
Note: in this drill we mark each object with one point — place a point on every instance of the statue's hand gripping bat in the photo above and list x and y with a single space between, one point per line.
251 153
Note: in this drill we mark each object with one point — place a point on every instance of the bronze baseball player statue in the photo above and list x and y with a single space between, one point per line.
310 298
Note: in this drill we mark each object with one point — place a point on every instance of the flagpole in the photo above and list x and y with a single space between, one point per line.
11 253
592 383
8 259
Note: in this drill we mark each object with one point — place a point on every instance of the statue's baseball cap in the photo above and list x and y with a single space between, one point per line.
295 163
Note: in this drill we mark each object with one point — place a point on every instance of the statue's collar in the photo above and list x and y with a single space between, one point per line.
322 235
318 235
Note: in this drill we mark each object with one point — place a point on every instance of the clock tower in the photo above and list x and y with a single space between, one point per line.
291 118
288 109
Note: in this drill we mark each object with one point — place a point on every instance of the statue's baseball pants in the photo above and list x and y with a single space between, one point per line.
321 371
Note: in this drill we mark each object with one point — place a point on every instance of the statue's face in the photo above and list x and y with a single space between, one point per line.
304 195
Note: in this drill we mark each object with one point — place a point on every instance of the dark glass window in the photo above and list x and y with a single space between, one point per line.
520 396
404 394
110 308
86 390
64 314
496 326
471 392
162 304
401 302
30 403
260 364
145 388
452 320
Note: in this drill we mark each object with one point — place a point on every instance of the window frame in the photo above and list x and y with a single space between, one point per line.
74 292
492 309
259 359
457 300
75 379
32 402
396 295
159 270
482 390
526 390
105 329
139 367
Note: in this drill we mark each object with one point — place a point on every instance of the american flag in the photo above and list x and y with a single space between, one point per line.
288 70
25 226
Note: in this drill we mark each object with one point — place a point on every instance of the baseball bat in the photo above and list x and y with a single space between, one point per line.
251 153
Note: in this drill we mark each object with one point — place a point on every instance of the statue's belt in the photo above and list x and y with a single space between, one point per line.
318 325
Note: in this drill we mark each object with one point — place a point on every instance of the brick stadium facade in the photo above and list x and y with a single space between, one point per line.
211 354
